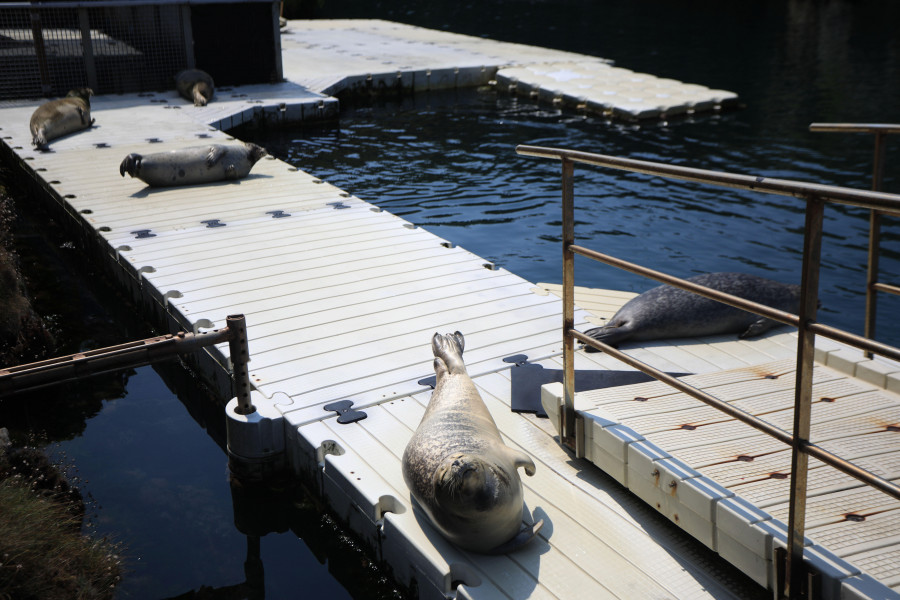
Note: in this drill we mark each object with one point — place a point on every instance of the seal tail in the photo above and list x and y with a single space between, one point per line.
449 349
608 334
39 139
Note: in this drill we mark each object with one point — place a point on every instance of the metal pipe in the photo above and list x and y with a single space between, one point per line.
801 447
825 456
681 386
567 414
87 48
874 241
872 286
116 3
889 203
76 366
736 301
806 349
240 356
856 127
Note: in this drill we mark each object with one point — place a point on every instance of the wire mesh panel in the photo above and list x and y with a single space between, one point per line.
112 47
137 48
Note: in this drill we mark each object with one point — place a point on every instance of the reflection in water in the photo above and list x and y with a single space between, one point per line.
158 487
447 162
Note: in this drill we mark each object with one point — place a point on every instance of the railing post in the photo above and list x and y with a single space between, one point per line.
240 356
87 49
874 242
809 301
567 414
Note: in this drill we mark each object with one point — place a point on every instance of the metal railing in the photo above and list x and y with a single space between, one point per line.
815 196
881 131
73 367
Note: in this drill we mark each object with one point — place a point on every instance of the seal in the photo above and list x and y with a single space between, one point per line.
197 164
457 468
669 312
195 85
57 118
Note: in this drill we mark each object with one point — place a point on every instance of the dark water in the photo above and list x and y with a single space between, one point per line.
447 162
149 447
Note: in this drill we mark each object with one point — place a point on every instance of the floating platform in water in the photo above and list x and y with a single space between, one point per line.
341 300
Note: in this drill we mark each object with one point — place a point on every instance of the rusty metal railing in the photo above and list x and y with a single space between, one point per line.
815 196
73 367
881 131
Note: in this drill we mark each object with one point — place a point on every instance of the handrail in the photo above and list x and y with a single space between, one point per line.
816 196
872 284
64 369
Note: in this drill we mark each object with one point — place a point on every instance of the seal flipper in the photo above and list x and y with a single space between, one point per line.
449 348
215 155
520 459
525 535
612 333
759 327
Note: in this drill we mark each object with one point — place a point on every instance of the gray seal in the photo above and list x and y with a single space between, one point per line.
57 118
195 85
197 164
457 467
669 312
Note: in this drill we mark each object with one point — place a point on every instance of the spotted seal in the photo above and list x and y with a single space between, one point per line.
457 467
197 164
57 118
195 85
669 312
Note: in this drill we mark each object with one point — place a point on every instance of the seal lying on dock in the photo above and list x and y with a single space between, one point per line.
195 85
457 467
670 312
197 164
60 117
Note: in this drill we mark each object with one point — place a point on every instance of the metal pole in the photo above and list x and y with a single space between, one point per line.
87 47
567 414
809 300
240 356
874 242
40 52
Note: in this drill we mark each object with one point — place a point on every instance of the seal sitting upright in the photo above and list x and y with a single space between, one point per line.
197 164
57 118
669 312
195 85
457 467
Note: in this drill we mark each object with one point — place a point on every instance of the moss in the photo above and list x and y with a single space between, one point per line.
43 554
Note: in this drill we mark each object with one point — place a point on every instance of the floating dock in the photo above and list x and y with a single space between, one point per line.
342 298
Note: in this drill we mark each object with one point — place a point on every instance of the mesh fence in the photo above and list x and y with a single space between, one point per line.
111 47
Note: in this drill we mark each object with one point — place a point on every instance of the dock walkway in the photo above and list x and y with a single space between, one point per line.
342 298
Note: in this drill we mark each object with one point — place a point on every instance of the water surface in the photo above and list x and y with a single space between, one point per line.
150 451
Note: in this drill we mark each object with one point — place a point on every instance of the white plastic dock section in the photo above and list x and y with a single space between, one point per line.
381 55
341 301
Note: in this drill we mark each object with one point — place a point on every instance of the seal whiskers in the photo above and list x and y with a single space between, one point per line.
457 468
